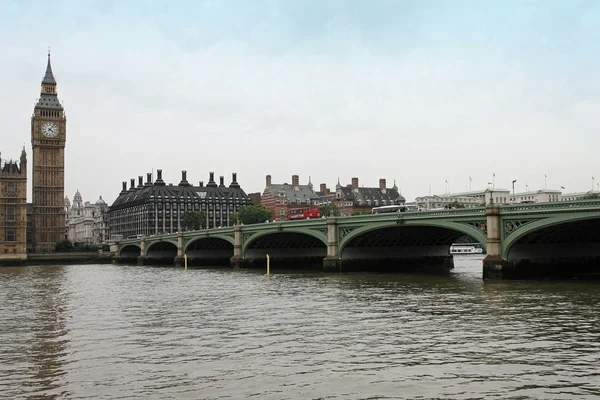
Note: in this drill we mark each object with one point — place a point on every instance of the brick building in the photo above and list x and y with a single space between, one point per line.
281 197
354 198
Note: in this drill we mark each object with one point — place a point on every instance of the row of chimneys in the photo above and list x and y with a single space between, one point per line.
159 181
382 184
323 187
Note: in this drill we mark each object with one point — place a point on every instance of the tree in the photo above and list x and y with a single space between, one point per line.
193 220
256 214
329 210
456 204
591 196
64 246
361 212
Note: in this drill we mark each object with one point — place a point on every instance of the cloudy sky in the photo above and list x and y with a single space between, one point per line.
422 92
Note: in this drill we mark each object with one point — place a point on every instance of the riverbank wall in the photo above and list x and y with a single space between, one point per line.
60 258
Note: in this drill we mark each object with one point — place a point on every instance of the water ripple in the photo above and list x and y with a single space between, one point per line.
100 332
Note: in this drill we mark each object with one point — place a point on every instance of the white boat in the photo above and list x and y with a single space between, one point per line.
465 248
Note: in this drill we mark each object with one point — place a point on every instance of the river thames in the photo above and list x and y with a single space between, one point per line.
127 332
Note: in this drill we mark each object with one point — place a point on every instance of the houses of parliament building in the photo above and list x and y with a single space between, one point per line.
36 227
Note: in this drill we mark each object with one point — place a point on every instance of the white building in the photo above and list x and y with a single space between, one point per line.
500 196
476 198
578 195
86 222
537 196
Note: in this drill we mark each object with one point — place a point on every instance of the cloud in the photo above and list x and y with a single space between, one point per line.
423 95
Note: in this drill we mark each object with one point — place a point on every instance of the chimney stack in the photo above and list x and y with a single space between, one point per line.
149 178
323 188
140 181
382 185
159 181
124 186
211 180
184 181
132 181
354 183
268 180
201 183
295 181
221 181
234 183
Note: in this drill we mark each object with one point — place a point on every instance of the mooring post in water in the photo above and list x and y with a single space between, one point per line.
185 262
268 264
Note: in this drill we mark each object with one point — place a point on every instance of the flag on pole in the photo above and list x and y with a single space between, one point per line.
470 179
562 187
494 175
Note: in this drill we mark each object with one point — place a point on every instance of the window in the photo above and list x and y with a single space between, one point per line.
10 235
10 213
10 189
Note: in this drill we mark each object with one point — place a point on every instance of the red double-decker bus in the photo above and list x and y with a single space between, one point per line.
303 213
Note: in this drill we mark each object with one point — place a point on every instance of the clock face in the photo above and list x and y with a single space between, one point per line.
50 129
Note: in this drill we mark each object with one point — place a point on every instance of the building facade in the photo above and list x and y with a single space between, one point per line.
580 195
478 198
152 208
85 222
353 198
325 195
279 198
537 196
475 198
13 209
48 137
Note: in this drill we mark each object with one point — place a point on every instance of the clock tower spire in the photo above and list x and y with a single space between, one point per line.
48 138
49 77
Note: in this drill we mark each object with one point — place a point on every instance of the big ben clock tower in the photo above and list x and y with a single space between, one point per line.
48 137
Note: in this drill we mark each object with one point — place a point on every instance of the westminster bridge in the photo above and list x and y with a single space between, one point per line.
556 240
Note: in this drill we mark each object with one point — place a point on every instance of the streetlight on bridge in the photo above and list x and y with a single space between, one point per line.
514 190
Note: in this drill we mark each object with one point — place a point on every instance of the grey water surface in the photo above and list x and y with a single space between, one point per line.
127 332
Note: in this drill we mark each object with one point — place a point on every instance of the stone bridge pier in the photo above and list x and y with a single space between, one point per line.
333 261
493 261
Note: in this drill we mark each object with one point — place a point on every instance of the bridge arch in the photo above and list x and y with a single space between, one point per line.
209 250
130 250
194 240
161 246
459 228
589 221
288 248
306 232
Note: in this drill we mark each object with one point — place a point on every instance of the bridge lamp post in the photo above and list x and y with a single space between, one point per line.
514 190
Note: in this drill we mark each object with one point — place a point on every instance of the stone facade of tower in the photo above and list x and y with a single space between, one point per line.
48 137
13 210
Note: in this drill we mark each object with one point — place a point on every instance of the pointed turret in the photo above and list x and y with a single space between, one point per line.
23 164
49 76
48 98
